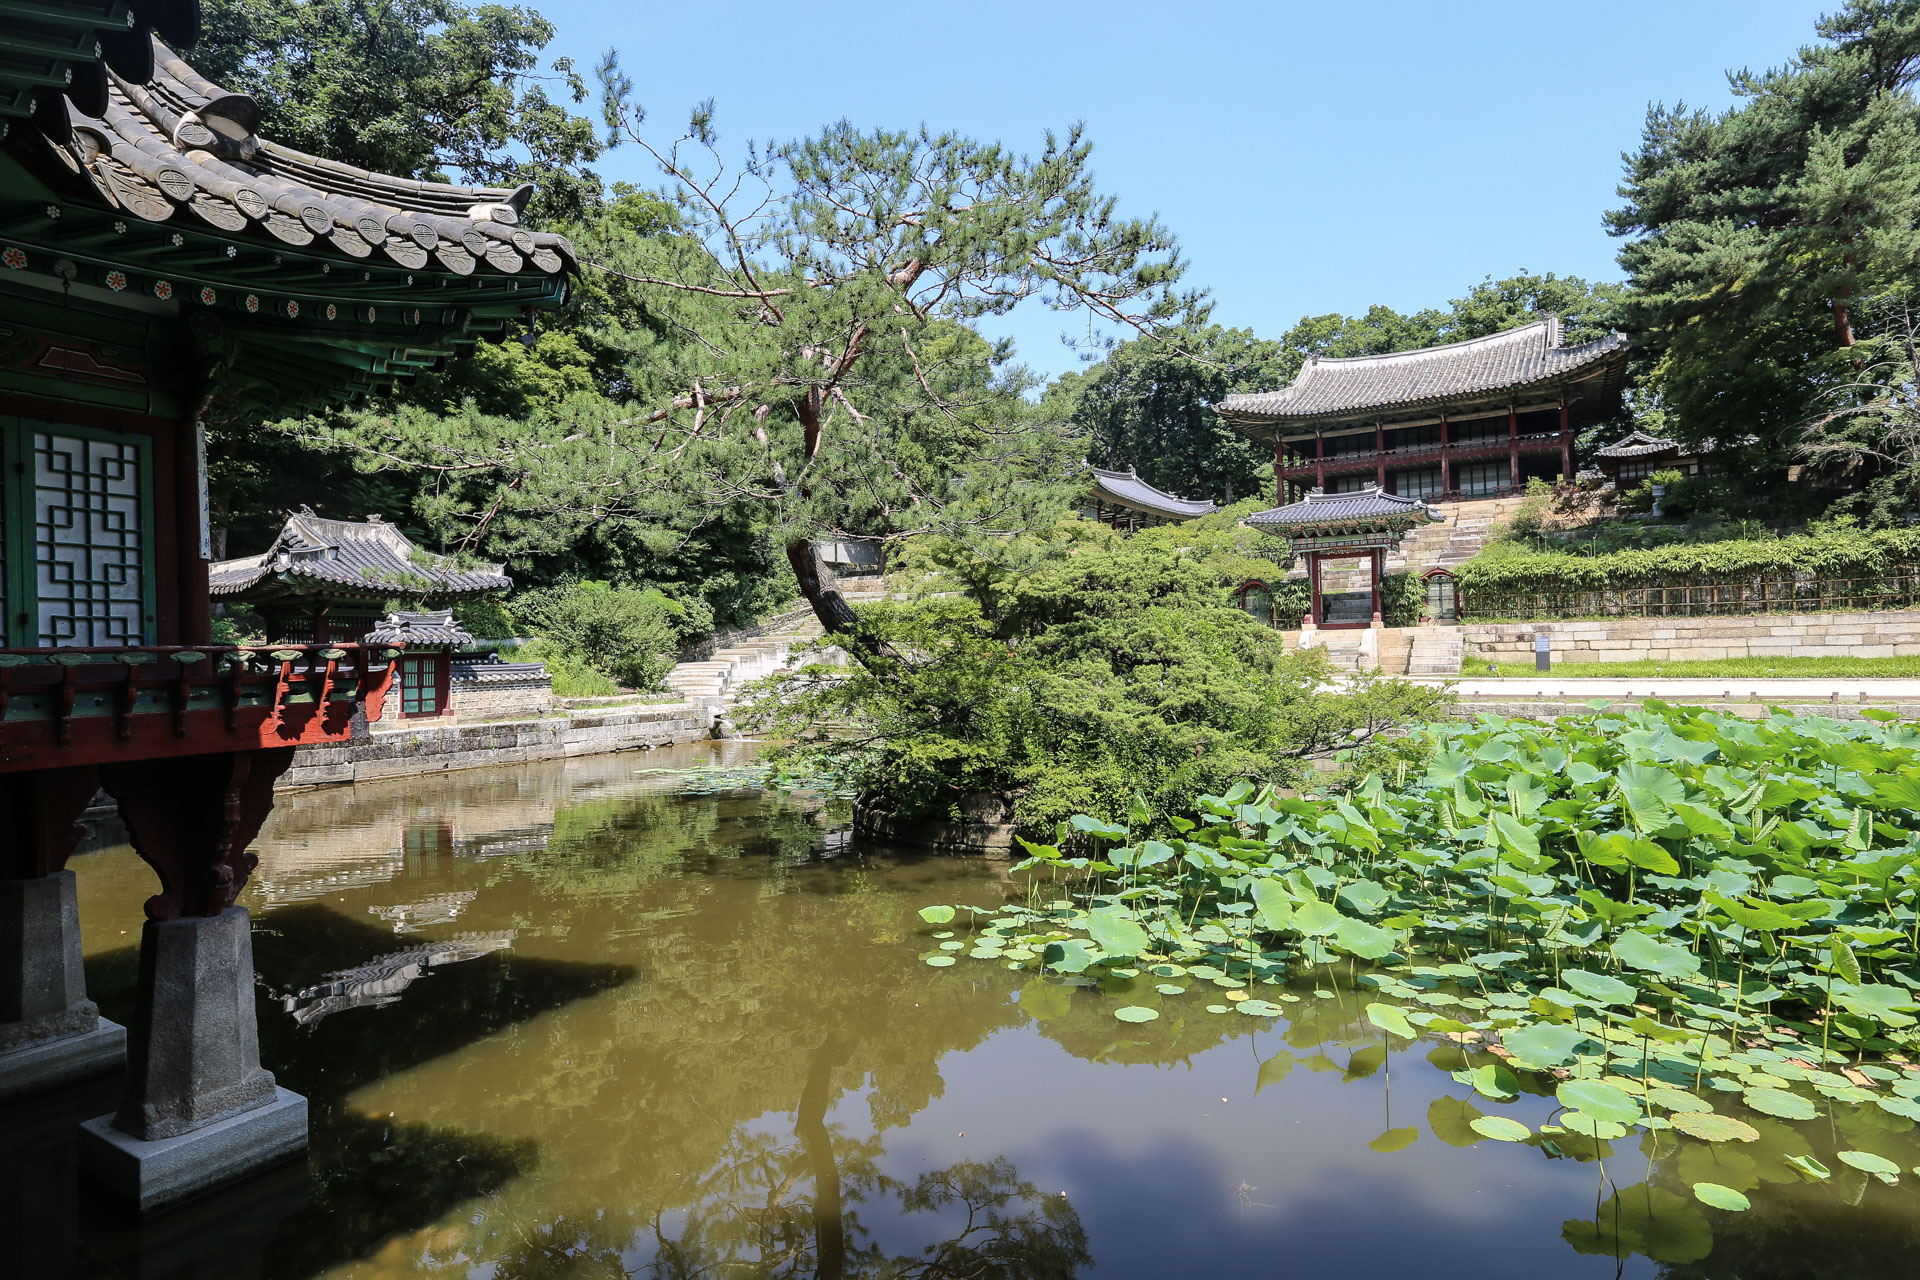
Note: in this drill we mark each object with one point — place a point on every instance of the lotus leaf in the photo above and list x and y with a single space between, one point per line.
1117 933
1715 1196
1394 1140
1390 1018
1136 1013
1777 1102
1808 1168
1600 1100
1500 1129
1708 1127
1544 1044
1637 951
936 915
1597 987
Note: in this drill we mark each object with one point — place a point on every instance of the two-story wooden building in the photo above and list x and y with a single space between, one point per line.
164 267
1469 419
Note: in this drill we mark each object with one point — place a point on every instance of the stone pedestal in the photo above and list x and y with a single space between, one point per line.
50 1033
199 1110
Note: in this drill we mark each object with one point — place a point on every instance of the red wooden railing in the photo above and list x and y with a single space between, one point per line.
83 706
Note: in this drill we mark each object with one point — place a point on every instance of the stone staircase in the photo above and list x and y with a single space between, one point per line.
714 682
1455 541
1435 651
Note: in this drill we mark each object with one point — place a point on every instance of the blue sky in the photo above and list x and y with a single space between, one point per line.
1310 158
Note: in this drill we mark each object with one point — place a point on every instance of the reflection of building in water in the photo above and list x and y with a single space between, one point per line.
381 981
439 908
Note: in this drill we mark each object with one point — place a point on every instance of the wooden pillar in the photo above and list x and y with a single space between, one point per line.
1446 459
1566 444
1513 447
1279 481
1320 461
1380 456
1313 576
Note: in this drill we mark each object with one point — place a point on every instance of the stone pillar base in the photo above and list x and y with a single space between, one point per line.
169 1170
48 1064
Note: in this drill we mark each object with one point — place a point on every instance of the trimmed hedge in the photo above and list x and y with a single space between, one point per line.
1833 569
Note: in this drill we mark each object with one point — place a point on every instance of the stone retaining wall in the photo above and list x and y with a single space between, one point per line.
1553 708
1765 635
437 748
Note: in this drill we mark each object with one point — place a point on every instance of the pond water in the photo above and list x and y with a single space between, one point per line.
565 1020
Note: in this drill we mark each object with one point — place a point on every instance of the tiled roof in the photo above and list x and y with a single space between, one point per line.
162 142
1129 490
1513 360
419 629
371 558
1635 444
54 49
1366 508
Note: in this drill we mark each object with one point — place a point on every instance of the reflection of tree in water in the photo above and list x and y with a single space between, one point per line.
771 1206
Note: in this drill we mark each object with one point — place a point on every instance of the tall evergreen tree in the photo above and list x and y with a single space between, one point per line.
1753 235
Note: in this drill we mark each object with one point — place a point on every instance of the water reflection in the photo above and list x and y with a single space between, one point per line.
559 1021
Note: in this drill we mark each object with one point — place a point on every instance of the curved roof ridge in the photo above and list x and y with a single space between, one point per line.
1543 326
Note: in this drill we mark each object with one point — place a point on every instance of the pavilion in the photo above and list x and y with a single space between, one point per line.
1470 419
1343 526
328 581
163 266
1122 500
1637 455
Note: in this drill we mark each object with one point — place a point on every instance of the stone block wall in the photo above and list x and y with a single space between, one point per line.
440 746
1764 635
497 700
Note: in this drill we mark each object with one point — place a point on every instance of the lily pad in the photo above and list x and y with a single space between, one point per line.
1602 1101
1394 1140
1715 1196
1867 1162
1708 1127
940 962
1136 1013
1500 1129
1778 1102
1390 1018
1258 1008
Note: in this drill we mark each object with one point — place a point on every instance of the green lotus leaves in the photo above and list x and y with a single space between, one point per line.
1544 1044
1867 1162
1709 1127
936 915
1500 1129
1136 1013
1389 1018
1778 1102
1597 987
1715 1196
1637 951
1274 903
1600 1100
1259 1009
1451 1120
1117 933
1394 1140
939 962
1808 1169
1316 919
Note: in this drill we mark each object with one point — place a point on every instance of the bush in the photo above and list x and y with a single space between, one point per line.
1078 674
626 635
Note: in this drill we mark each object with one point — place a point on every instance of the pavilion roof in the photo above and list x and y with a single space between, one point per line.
1127 489
129 181
1635 444
433 628
314 557
1368 510
1511 362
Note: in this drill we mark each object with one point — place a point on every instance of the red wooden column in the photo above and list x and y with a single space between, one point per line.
1279 481
1446 461
1380 456
1513 447
1320 461
1566 444
1379 566
1313 576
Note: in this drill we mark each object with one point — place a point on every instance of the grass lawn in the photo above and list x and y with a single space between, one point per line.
1741 668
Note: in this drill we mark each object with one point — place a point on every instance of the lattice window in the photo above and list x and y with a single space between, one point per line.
1480 478
90 540
419 686
1417 484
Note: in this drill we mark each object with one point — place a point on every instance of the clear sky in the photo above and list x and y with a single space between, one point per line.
1310 158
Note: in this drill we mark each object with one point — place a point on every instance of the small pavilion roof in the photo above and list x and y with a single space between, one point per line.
1368 510
317 557
1635 444
416 629
1513 361
1127 489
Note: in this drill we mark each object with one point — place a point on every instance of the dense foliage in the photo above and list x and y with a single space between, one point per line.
1078 672
627 636
1676 918
1754 236
1802 570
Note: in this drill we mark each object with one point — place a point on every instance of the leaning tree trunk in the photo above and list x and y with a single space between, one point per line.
837 617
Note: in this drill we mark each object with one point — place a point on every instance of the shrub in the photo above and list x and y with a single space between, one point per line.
625 634
1077 674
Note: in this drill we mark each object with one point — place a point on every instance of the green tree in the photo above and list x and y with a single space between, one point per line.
435 89
1753 235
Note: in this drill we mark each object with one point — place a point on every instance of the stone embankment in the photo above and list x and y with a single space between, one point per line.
1762 635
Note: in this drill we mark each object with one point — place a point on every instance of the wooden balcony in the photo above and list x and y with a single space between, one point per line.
1477 451
61 707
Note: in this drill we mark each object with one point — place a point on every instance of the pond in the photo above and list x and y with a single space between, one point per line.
569 1020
